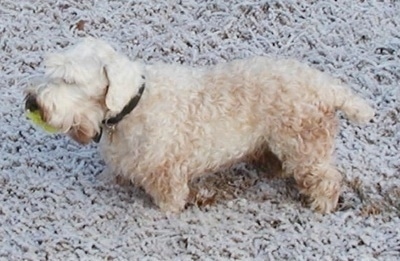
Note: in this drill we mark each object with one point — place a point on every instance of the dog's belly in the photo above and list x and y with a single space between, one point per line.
217 145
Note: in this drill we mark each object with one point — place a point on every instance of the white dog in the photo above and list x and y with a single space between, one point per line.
161 125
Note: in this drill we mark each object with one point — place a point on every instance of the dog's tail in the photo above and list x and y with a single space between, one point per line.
355 108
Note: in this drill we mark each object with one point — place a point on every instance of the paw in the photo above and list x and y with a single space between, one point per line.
171 204
324 204
323 190
364 116
361 114
171 208
122 181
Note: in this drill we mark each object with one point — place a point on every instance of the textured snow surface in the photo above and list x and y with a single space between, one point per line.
56 203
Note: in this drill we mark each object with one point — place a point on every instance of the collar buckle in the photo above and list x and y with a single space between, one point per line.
110 123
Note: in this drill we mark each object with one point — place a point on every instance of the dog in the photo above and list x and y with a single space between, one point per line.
162 125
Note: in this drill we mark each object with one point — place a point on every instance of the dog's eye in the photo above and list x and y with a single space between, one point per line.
68 81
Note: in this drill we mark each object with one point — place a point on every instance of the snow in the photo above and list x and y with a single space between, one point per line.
56 203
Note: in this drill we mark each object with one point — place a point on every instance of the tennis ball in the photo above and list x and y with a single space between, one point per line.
35 117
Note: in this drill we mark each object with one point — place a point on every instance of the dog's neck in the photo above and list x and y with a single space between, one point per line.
127 109
111 122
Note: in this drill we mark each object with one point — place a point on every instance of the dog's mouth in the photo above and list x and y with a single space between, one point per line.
35 114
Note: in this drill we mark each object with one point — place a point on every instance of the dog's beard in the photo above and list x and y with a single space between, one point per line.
80 135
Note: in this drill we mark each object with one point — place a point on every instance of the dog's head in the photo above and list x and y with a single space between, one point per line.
83 84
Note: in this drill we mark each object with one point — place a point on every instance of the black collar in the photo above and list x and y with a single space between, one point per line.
125 111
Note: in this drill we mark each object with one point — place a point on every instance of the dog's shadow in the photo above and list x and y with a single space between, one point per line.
258 181
254 181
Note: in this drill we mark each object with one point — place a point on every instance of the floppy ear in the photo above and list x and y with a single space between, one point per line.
124 80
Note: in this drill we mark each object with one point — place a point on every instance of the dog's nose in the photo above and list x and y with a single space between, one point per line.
31 103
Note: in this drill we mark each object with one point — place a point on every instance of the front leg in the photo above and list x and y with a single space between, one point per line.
169 189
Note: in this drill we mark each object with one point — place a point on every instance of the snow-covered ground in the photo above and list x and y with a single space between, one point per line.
56 203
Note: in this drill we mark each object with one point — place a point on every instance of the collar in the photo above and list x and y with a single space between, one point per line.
111 122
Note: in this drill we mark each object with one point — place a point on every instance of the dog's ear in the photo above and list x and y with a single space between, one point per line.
124 80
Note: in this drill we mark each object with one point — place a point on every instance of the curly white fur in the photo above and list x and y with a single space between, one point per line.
194 121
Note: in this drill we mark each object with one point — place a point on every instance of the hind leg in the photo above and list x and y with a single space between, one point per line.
319 181
306 154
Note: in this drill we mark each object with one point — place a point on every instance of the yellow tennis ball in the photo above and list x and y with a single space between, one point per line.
35 117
